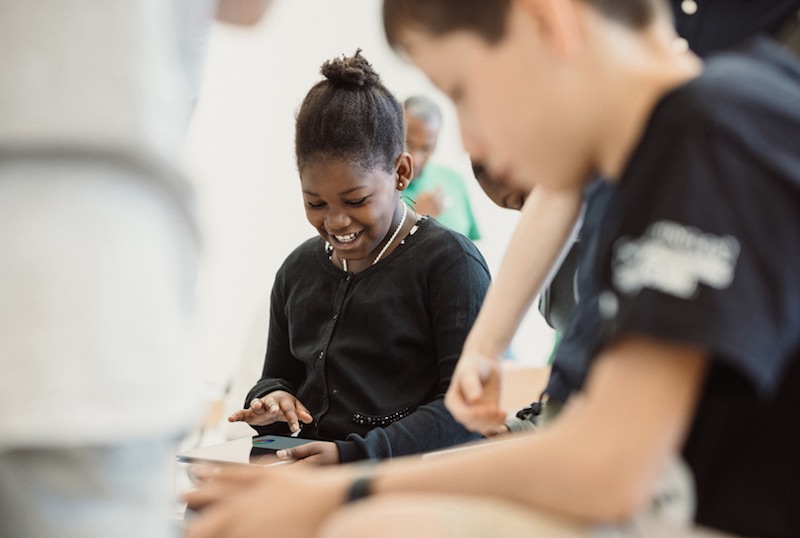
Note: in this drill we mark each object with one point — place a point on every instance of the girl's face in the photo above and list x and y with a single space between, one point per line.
351 207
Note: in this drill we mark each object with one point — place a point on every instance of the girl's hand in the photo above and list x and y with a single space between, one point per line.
277 406
319 452
474 394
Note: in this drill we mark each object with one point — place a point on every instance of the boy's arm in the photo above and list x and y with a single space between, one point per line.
545 227
597 461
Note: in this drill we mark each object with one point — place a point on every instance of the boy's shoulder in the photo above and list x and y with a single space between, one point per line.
759 75
744 102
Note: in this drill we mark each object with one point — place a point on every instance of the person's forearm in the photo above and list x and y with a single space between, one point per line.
598 460
430 427
536 247
532 470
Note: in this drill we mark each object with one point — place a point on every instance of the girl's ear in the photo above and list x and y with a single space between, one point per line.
404 170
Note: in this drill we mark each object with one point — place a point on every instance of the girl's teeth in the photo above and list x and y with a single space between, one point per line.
345 238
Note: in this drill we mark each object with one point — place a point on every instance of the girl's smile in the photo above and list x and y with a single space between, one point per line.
345 238
353 208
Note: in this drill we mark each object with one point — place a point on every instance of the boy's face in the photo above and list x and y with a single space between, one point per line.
516 100
498 190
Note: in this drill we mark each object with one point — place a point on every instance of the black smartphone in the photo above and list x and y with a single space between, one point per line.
269 444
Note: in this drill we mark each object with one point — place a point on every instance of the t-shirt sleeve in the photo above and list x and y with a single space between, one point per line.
705 249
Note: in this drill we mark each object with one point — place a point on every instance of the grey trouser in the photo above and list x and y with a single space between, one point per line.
89 492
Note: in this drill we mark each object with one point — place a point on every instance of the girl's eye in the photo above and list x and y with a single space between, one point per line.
315 205
360 201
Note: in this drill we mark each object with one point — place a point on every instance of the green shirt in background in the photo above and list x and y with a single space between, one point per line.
457 213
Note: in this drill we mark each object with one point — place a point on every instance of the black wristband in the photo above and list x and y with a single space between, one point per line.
360 488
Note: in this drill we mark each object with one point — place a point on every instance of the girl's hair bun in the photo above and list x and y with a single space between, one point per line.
350 115
354 71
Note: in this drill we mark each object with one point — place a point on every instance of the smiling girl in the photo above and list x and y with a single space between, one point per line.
368 319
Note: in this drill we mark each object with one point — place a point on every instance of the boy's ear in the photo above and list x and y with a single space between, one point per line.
404 170
559 22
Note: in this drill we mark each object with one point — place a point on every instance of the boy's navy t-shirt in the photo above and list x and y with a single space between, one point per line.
572 357
702 246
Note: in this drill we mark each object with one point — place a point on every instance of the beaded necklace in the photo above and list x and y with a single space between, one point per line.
389 242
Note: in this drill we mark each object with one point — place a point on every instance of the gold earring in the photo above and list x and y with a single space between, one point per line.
400 185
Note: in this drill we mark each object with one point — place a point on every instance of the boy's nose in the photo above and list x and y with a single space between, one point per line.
472 143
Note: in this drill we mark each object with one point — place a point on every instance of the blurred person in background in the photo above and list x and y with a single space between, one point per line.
99 255
436 191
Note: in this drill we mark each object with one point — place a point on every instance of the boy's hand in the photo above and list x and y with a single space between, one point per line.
474 394
277 406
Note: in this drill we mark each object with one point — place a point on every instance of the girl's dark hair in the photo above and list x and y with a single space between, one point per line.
350 115
487 18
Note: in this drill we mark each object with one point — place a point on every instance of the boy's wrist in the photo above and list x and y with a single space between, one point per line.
359 488
490 336
483 347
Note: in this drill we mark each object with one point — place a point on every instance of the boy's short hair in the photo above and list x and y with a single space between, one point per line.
487 18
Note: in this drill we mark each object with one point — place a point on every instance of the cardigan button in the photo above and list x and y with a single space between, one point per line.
689 7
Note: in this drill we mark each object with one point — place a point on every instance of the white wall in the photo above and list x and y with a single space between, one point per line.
240 153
